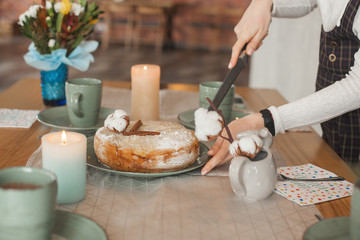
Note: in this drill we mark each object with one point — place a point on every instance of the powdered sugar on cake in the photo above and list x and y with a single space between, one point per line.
169 138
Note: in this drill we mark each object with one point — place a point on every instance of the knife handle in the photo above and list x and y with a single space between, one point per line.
230 79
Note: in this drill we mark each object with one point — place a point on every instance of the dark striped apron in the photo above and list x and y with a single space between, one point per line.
337 49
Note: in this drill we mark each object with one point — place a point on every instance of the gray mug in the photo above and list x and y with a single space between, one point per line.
83 100
27 203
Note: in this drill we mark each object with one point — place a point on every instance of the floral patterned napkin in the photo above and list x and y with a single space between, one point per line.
15 118
307 193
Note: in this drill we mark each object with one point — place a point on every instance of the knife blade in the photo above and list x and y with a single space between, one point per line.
230 79
282 177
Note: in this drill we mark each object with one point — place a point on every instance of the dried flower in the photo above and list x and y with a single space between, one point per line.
76 8
51 43
63 7
48 5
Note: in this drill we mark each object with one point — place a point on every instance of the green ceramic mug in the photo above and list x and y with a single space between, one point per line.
83 99
27 203
209 89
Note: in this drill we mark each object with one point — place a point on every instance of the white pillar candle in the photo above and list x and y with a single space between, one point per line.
145 85
64 153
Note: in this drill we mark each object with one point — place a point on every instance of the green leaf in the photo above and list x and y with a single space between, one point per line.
95 13
75 44
86 16
59 22
92 6
83 2
26 34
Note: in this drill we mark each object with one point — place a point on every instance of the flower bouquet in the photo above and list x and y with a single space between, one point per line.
58 30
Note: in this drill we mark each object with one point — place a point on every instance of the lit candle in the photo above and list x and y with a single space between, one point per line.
64 153
145 85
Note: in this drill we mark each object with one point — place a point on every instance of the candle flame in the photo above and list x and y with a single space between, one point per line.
63 137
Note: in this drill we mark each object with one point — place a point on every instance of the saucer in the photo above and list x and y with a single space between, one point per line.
73 226
57 117
187 118
333 228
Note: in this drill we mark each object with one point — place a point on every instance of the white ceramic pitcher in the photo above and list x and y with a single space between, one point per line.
254 180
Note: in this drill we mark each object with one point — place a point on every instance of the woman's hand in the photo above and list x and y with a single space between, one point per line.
252 28
220 150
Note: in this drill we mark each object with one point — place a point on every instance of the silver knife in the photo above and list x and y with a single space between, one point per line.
230 79
282 177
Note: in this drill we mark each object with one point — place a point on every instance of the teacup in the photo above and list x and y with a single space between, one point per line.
83 97
27 203
209 89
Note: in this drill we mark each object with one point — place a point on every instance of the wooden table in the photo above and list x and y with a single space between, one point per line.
16 145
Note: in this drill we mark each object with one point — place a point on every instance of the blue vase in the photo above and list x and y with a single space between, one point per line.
53 86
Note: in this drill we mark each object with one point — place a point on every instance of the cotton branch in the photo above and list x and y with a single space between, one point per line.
230 139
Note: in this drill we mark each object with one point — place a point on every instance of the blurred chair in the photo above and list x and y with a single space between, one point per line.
149 17
118 18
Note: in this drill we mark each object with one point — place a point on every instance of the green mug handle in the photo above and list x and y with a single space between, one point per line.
75 106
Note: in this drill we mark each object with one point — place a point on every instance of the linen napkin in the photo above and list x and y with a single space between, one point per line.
307 193
15 118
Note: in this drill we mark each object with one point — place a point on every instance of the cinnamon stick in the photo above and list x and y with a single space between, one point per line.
140 133
136 126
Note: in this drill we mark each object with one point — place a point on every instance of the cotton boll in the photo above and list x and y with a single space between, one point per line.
266 136
117 121
263 133
248 145
257 140
208 124
234 148
120 113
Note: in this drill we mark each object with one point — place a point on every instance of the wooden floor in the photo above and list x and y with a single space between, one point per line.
177 65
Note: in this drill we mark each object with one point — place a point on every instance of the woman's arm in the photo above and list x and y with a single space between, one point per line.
292 8
254 24
252 28
338 98
341 97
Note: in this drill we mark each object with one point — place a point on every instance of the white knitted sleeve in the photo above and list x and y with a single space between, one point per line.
292 8
341 97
